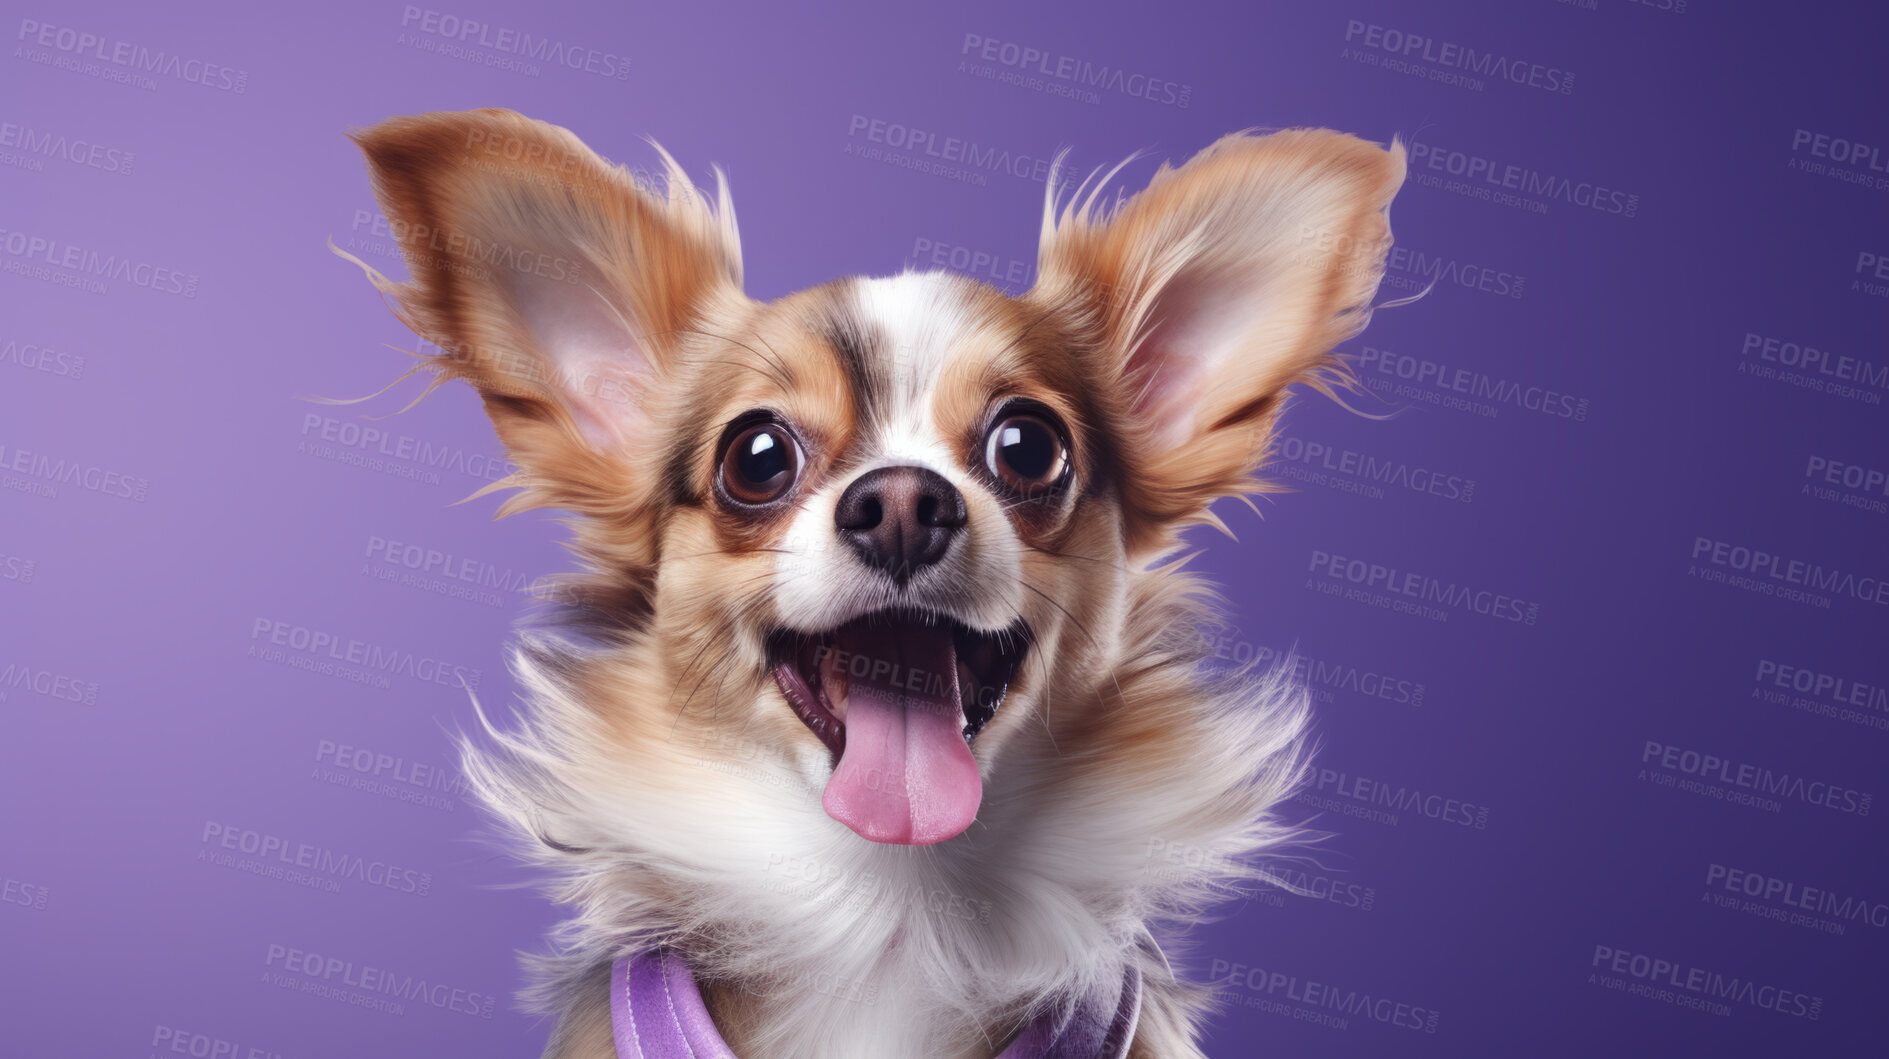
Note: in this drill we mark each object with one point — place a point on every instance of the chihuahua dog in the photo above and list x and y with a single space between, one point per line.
877 720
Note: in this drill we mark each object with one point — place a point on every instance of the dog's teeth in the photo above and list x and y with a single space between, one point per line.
834 683
970 690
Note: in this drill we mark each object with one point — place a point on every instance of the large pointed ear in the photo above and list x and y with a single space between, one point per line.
1206 295
553 283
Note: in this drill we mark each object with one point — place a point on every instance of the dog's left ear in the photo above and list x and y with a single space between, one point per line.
557 286
1203 297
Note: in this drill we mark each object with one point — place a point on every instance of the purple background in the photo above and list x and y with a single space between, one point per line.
184 381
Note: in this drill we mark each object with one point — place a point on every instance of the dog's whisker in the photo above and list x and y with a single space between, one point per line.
1042 667
759 550
709 640
684 675
1120 697
763 370
1123 567
727 651
786 376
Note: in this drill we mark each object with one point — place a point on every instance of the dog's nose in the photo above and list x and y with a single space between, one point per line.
900 519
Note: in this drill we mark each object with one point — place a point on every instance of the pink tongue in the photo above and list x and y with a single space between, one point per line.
906 776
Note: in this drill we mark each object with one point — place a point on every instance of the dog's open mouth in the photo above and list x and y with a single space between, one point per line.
898 697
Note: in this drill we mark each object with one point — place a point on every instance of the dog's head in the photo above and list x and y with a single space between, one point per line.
881 526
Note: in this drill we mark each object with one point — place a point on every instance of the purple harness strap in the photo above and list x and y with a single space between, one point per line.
656 1012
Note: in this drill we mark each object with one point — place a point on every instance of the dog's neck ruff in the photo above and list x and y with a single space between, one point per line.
657 1012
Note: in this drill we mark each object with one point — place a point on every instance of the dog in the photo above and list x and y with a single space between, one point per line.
877 719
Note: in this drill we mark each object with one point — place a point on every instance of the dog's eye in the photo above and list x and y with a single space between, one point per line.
760 464
1026 454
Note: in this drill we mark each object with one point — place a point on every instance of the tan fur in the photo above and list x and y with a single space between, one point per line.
674 700
584 1030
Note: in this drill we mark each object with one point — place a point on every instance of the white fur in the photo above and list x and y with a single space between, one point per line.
917 320
1068 869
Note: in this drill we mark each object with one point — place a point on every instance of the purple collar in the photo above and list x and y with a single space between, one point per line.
656 1012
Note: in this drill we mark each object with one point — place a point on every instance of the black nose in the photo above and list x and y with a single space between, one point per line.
900 519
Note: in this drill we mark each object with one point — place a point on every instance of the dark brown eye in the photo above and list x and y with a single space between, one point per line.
760 464
1025 453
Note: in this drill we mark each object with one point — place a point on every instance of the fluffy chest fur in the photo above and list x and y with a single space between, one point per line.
813 943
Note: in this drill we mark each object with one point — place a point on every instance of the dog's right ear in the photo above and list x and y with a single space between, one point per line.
553 283
1208 294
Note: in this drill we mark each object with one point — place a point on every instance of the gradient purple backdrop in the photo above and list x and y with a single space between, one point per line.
141 710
